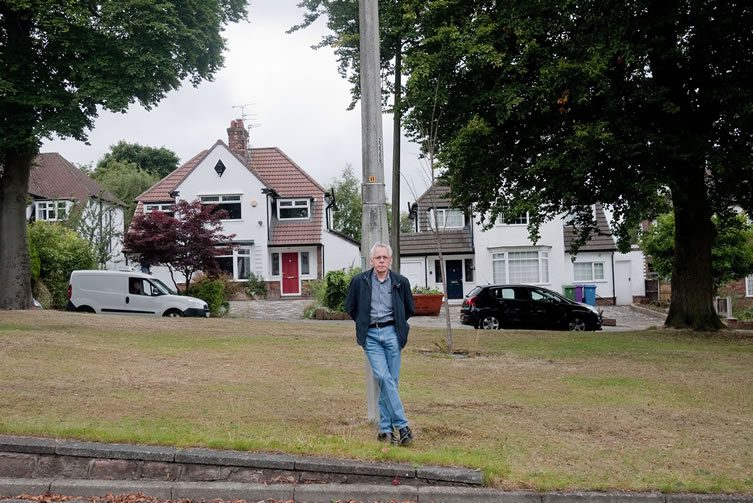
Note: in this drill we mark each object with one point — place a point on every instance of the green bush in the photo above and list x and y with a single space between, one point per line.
35 265
336 285
256 287
40 292
317 291
60 251
213 291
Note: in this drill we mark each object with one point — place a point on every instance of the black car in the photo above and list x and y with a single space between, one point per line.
525 306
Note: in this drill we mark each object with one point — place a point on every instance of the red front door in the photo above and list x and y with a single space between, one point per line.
290 283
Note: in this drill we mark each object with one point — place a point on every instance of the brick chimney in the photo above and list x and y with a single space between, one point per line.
237 138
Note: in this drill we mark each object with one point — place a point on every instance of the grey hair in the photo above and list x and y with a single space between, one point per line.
380 245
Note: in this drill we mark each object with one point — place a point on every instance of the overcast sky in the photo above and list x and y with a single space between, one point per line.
295 100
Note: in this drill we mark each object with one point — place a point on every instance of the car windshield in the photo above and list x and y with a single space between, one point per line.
161 287
474 292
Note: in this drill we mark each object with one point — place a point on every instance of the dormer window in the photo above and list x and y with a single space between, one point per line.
293 209
51 211
447 218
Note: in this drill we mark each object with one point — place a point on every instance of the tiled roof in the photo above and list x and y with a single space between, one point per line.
275 170
601 240
279 172
436 193
299 232
53 177
160 191
425 243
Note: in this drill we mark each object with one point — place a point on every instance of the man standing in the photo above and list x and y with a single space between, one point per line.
380 302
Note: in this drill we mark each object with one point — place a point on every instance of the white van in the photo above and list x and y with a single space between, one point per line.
126 292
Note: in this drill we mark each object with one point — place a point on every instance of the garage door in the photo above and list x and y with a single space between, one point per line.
414 271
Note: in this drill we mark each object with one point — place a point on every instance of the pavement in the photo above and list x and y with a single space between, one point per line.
626 317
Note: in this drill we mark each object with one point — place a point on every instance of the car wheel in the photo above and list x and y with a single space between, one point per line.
85 309
576 324
489 323
172 313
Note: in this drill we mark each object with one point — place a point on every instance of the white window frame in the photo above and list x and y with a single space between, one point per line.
241 251
219 199
442 218
54 206
293 204
749 286
503 257
593 275
517 221
272 272
163 207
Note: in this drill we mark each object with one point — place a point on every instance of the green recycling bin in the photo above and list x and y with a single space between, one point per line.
569 291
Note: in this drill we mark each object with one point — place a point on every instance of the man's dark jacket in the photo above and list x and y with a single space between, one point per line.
358 305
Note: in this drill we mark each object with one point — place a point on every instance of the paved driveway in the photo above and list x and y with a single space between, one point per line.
627 317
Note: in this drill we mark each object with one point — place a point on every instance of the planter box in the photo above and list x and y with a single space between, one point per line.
427 304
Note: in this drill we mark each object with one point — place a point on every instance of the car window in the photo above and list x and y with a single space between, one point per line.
543 296
135 286
507 293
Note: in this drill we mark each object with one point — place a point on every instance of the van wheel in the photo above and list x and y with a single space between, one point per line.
172 313
85 309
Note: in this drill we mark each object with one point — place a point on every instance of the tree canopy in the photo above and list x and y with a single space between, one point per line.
188 242
125 180
62 61
555 105
158 162
347 218
732 250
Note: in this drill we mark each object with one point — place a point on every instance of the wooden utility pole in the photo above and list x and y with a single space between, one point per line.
374 221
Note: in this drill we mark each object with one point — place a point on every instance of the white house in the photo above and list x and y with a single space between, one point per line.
505 254
57 188
275 209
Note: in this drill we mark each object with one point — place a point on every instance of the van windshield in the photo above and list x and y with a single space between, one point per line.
161 287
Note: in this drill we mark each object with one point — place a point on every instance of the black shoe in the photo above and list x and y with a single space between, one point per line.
387 436
406 436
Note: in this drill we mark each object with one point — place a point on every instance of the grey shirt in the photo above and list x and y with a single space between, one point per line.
381 300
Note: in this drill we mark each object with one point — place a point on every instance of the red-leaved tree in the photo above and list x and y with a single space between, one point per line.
188 242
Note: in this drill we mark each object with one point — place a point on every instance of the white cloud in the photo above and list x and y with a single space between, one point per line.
296 101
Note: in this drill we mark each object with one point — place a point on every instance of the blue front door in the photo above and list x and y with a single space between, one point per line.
454 279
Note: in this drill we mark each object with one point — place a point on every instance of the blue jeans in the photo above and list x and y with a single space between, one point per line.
383 352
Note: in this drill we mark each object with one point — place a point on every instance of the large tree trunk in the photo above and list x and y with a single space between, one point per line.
15 276
692 277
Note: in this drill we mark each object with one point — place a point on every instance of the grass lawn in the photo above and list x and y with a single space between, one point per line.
650 410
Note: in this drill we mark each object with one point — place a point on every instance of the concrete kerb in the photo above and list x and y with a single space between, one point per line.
326 493
121 457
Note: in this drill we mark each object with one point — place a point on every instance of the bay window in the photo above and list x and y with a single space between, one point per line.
526 267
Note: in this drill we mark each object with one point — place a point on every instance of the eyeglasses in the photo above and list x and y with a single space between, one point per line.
381 257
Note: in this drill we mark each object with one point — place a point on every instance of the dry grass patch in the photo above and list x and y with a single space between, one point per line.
653 410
